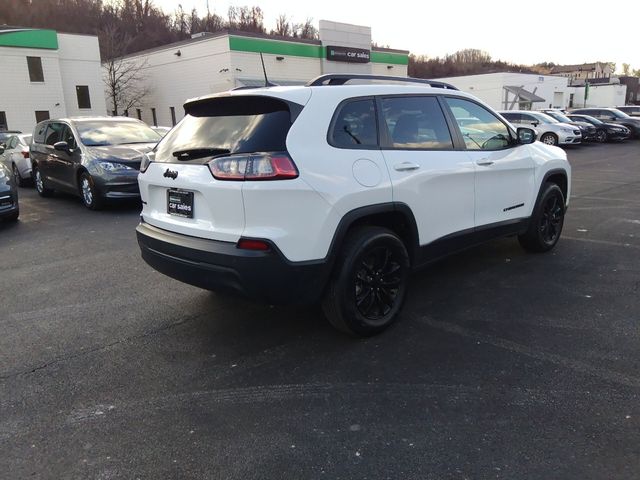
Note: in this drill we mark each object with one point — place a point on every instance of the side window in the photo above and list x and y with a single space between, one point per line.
67 136
480 128
34 64
38 134
513 117
354 125
12 142
54 133
416 123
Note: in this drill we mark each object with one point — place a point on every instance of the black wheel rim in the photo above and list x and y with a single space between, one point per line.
551 220
378 281
602 136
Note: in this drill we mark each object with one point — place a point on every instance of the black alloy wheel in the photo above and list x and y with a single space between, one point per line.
551 219
545 225
377 283
368 287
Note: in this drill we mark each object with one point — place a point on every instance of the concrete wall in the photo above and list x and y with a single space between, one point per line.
20 97
599 96
76 62
172 79
490 88
289 69
80 65
356 36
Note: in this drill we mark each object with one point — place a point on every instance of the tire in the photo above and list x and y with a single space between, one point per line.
601 136
549 139
21 182
88 192
13 217
41 187
369 282
546 222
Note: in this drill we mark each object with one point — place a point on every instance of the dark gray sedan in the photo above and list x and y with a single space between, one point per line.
96 158
9 209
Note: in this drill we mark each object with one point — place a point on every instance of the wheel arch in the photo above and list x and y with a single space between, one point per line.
395 216
558 176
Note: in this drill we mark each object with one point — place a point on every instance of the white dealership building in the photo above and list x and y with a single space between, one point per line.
209 63
513 91
46 74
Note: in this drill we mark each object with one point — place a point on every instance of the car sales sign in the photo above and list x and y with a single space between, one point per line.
348 54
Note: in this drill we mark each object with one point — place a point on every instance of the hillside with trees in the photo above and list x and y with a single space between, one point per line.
139 24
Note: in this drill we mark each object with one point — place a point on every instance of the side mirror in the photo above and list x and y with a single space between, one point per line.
526 136
61 146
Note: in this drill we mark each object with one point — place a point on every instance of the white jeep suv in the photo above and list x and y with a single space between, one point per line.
332 192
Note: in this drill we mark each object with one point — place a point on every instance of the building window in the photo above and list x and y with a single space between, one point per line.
35 69
84 100
155 119
42 115
173 116
139 113
3 121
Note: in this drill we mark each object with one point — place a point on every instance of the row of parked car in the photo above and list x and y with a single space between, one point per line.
99 158
561 127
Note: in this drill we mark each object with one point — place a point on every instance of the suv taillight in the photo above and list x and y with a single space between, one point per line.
25 153
259 166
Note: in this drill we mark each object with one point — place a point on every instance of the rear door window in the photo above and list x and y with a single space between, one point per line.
228 125
354 125
415 123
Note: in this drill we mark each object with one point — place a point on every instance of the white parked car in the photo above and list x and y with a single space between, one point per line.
333 192
550 130
15 155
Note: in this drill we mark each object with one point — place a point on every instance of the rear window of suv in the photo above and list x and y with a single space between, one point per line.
227 125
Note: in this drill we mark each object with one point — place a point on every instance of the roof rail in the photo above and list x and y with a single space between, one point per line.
342 78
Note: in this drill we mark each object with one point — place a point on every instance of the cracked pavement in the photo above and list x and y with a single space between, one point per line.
504 364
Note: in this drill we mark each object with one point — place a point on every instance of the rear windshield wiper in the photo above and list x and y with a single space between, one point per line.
191 153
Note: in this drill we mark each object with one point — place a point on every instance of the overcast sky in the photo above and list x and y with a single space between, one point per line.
520 32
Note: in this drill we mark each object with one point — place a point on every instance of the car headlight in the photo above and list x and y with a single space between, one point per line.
567 131
114 167
2 174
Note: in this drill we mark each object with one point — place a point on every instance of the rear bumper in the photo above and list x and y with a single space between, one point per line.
220 266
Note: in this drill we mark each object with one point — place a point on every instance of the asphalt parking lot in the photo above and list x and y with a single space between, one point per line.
504 364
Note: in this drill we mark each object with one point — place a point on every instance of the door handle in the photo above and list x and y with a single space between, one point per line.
484 162
405 166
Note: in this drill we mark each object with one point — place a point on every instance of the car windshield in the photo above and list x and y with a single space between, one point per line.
112 132
543 117
589 119
618 114
559 117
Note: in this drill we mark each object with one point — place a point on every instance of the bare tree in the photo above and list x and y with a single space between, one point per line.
123 77
283 27
305 30
626 69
